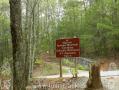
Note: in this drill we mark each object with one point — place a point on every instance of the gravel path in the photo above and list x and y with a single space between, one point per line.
109 83
53 83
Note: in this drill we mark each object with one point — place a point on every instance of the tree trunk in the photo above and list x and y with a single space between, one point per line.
94 81
115 25
18 63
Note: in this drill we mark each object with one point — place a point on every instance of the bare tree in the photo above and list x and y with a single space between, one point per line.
19 79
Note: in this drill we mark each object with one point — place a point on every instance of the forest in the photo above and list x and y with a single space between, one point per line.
29 29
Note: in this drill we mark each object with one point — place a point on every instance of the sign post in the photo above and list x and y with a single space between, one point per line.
60 67
76 68
67 48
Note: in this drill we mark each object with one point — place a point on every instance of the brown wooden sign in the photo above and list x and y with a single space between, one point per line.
68 47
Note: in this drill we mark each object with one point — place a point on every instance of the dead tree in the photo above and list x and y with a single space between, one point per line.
94 82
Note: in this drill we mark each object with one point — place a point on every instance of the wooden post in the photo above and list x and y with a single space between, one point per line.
76 68
60 67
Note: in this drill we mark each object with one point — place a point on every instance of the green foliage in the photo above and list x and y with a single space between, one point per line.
80 67
73 71
67 62
4 1
50 69
5 39
96 25
5 71
39 61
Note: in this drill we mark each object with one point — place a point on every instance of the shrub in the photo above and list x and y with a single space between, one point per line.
39 61
67 62
80 67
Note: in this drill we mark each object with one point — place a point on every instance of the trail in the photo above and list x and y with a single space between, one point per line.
82 73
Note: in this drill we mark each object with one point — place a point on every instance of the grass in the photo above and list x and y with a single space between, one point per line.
49 68
68 63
